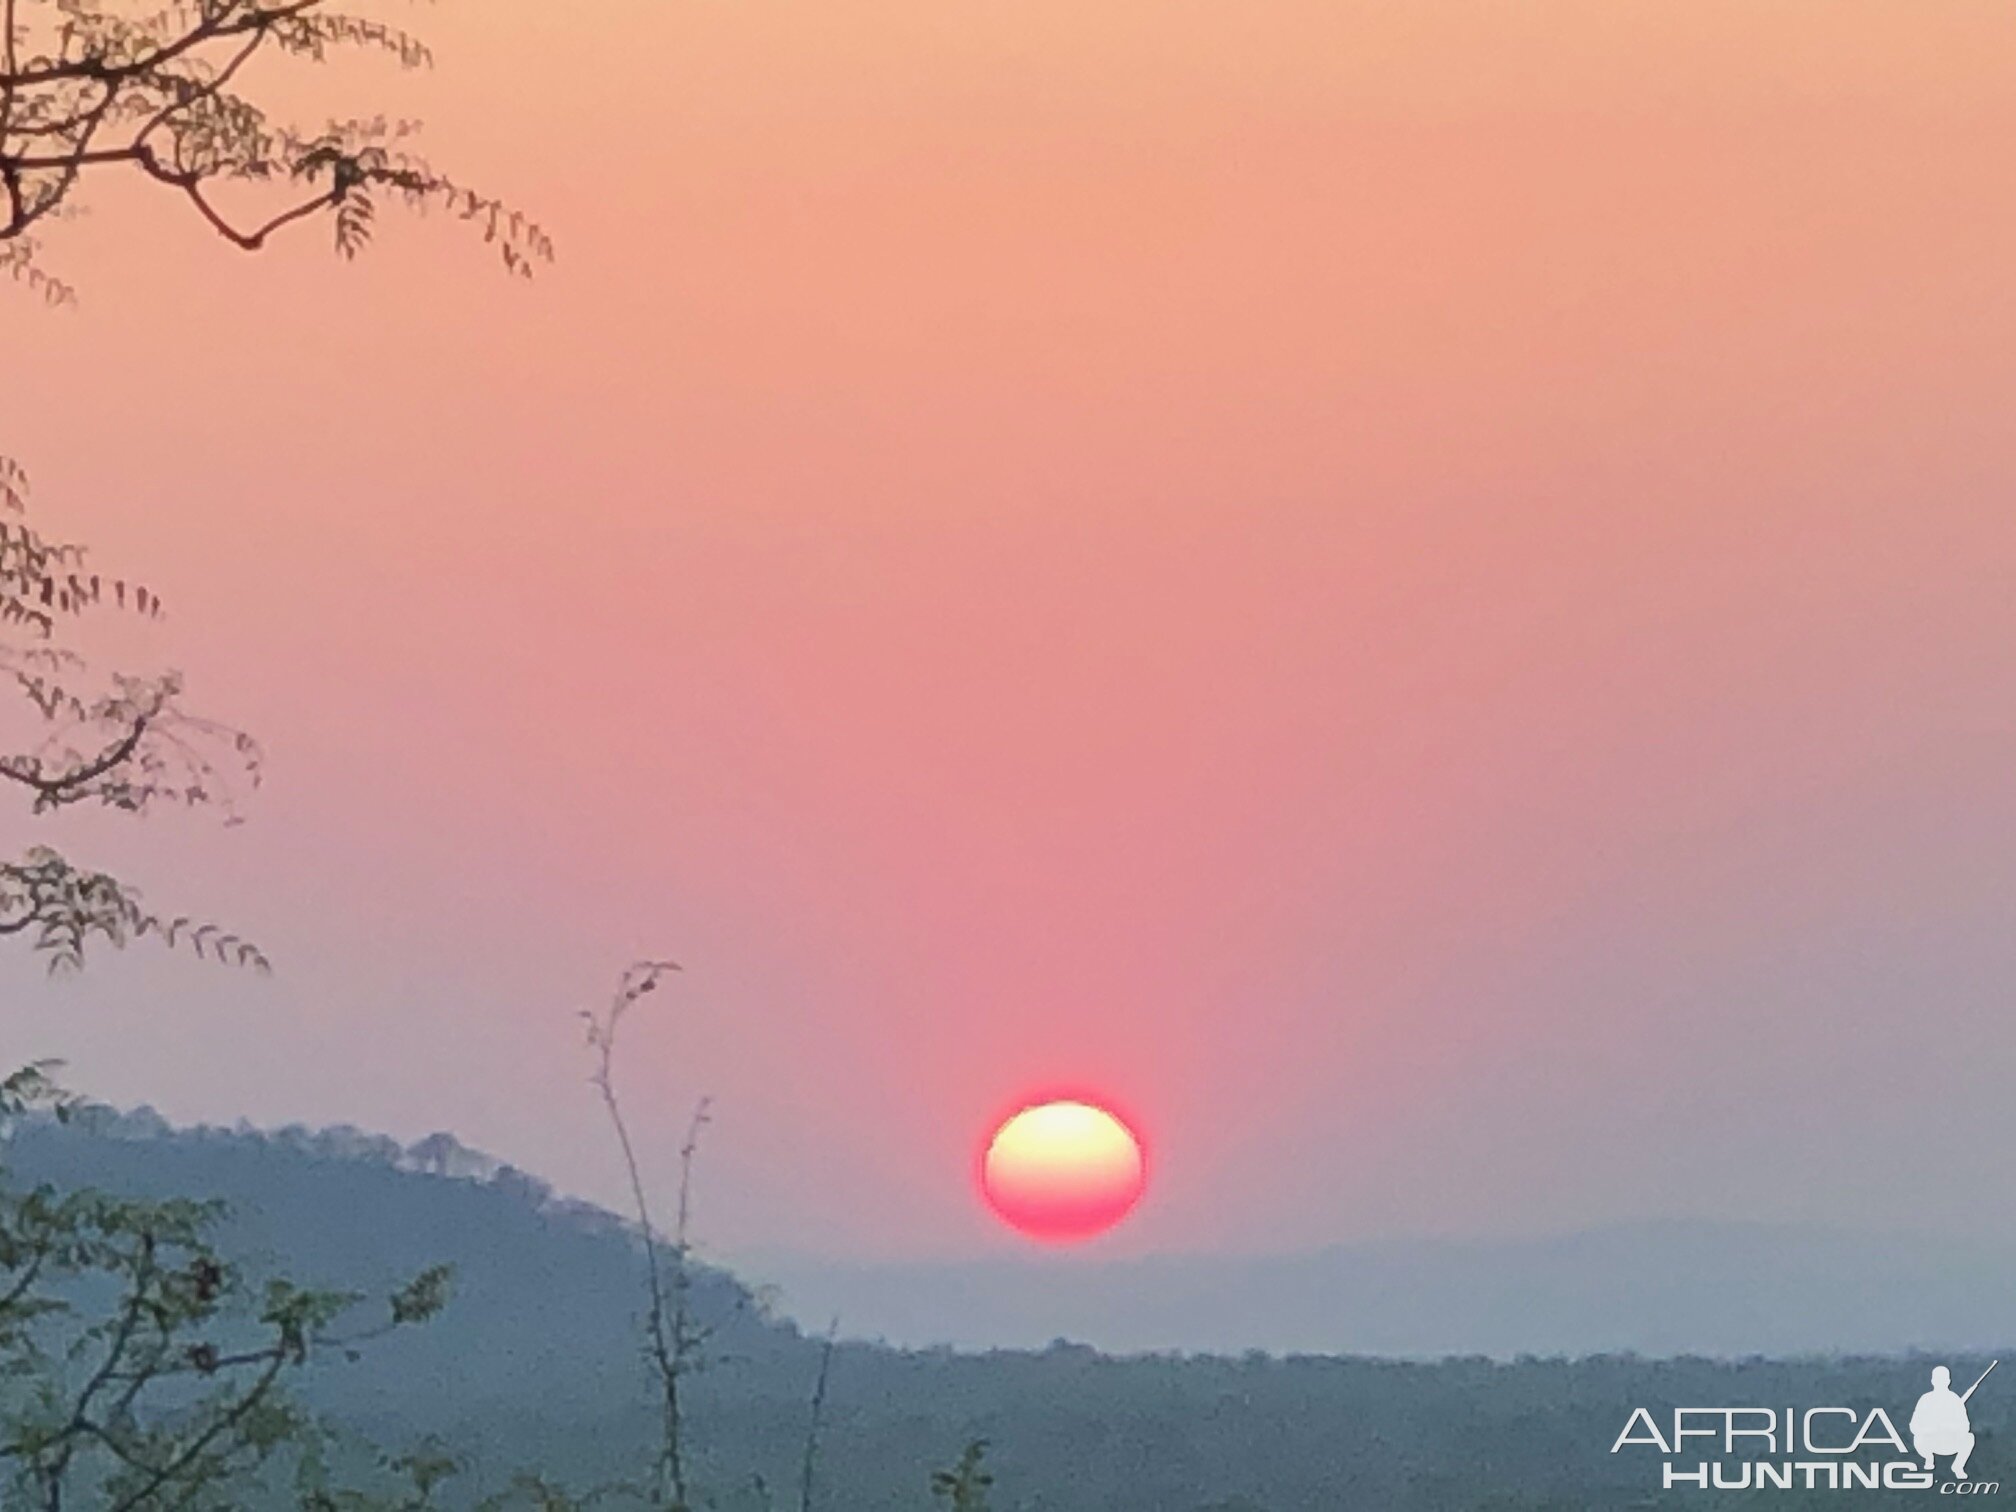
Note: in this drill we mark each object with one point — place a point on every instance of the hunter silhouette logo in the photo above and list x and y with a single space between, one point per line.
1939 1423
1817 1449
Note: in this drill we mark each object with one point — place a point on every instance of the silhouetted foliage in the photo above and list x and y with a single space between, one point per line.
34 1088
140 1370
963 1488
119 741
156 90
143 1370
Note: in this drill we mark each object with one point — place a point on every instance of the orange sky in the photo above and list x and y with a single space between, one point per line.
1421 590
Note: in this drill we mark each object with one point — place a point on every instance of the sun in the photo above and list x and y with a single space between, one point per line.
1063 1171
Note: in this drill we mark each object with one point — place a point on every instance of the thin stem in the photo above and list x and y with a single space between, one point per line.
808 1469
667 1350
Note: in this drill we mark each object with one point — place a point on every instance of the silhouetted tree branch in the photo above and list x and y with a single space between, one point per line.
148 1400
93 87
121 741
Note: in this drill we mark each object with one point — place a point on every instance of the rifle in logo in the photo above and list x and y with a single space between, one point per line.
1978 1380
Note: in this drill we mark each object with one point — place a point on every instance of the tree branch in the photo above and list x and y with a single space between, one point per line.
50 789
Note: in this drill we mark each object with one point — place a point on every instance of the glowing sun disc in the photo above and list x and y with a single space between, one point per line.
1063 1171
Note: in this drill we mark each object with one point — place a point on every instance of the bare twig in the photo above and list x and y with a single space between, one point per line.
669 1337
808 1470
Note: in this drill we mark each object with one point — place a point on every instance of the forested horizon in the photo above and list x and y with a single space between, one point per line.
533 1363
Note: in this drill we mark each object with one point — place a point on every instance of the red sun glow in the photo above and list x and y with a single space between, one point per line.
1063 1171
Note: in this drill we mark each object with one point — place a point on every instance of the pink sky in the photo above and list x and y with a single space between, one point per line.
1422 591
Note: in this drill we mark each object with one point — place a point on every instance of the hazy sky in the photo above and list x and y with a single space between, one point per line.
1424 592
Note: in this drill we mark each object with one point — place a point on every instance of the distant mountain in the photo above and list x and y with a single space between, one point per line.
536 1362
1656 1289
